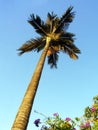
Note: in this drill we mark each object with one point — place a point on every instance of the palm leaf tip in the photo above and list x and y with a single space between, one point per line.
27 47
37 23
78 51
66 19
74 53
20 51
74 56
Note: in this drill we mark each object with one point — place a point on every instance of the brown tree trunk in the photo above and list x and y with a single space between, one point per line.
22 117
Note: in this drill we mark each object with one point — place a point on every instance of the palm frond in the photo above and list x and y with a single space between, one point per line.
67 40
50 18
52 60
66 18
68 35
51 21
70 49
41 45
38 24
66 45
69 44
71 53
73 48
33 44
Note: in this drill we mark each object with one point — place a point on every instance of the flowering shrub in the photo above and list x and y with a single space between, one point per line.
85 126
56 123
91 114
89 121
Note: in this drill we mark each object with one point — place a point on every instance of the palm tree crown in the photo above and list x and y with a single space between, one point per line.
55 28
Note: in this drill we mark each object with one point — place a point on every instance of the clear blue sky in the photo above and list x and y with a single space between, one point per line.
66 90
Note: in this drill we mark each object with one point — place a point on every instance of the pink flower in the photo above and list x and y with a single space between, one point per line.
55 114
68 119
93 109
87 124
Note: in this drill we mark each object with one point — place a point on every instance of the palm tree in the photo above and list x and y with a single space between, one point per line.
53 39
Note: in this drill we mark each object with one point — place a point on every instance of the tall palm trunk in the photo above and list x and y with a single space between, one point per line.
22 117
